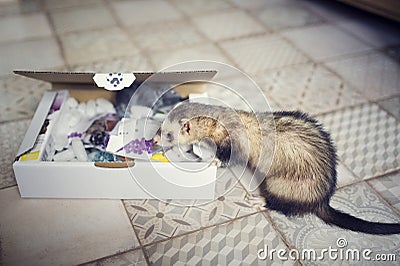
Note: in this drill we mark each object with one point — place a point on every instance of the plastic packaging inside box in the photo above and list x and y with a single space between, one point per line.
93 131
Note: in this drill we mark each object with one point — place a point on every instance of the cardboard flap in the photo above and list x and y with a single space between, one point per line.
87 77
37 122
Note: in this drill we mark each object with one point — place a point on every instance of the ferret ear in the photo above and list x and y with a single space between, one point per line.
185 125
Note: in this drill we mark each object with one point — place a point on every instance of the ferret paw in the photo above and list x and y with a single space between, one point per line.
256 201
216 162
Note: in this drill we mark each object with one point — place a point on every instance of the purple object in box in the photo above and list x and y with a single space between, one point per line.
138 146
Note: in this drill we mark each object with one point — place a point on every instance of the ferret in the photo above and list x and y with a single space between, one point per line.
290 149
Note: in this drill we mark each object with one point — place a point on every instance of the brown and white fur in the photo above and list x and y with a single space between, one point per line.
290 149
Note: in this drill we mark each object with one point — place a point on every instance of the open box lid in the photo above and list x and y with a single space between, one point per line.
86 78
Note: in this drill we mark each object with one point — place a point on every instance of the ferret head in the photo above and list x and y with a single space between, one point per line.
181 127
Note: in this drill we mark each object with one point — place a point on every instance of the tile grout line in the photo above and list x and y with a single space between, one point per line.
200 229
136 234
121 26
109 256
281 235
388 204
205 37
57 39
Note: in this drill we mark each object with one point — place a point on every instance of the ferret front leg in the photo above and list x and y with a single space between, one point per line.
256 201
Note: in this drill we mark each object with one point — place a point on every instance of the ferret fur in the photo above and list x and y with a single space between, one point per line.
292 150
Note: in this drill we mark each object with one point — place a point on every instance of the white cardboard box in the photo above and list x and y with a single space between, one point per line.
49 179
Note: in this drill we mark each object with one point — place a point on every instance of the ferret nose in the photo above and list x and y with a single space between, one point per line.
156 139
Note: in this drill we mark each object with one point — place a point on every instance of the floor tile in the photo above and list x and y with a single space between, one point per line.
36 54
226 25
53 4
389 188
345 176
393 52
335 10
61 232
367 139
256 54
20 27
12 135
311 88
325 41
138 62
392 106
82 18
20 97
309 232
378 32
234 243
145 12
259 4
242 93
207 51
135 257
156 220
14 7
374 74
194 7
166 36
92 46
275 17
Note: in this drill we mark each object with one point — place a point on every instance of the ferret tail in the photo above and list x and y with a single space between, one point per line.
334 217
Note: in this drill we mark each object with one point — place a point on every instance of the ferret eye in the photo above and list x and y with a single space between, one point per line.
169 136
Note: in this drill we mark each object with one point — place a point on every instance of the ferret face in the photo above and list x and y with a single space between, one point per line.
173 133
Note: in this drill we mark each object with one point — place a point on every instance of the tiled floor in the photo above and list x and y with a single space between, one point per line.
335 62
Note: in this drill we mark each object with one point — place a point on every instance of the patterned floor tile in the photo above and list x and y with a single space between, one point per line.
166 36
310 88
135 257
20 27
82 18
34 54
91 46
367 139
309 232
392 106
20 97
235 243
374 75
61 232
260 53
155 220
378 32
145 12
325 41
194 7
275 17
138 62
227 25
389 188
12 135
206 51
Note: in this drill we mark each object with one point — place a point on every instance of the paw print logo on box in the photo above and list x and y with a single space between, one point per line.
114 81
